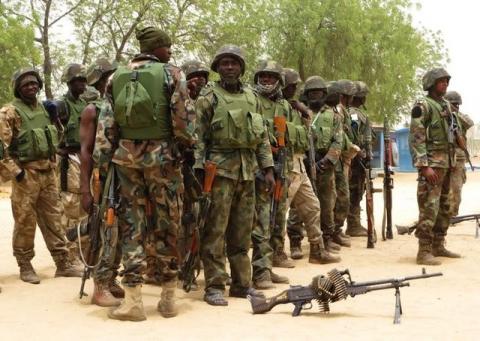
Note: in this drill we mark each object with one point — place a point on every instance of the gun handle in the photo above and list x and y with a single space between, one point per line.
280 125
96 186
278 190
298 309
210 168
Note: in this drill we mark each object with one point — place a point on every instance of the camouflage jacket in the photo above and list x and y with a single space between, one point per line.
337 141
361 129
466 123
235 164
150 153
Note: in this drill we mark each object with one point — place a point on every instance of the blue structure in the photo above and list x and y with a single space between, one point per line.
404 156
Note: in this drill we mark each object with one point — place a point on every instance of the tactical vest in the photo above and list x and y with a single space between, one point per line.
72 130
37 138
270 109
141 103
322 127
437 127
235 124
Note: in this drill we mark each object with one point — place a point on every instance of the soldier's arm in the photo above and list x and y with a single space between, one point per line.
9 123
264 152
418 135
335 148
87 142
466 121
106 137
182 108
204 112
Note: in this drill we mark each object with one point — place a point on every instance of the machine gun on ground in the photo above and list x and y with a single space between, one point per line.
335 286
403 229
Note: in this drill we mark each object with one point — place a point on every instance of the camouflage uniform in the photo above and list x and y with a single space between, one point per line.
432 145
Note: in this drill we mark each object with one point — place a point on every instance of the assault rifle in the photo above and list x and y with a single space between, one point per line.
454 135
190 267
280 127
335 286
311 159
387 232
369 176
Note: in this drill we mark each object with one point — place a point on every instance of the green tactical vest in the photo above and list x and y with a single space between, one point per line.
270 109
437 128
141 103
297 133
72 130
37 138
322 127
235 124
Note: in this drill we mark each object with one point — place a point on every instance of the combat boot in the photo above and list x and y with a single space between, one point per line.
27 273
296 249
318 255
439 250
66 269
425 256
102 295
341 239
276 278
166 306
280 259
263 281
356 231
330 245
116 289
131 308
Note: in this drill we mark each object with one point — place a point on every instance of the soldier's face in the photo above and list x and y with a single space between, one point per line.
77 86
441 86
229 69
29 90
316 98
289 91
267 78
200 79
163 53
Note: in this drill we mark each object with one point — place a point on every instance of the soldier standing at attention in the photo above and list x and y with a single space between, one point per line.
232 135
28 144
432 145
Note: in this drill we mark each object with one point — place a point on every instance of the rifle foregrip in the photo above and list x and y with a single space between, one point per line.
280 125
210 168
96 186
110 216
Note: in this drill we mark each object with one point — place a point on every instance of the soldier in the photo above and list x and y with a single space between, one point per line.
361 131
29 141
232 135
432 145
301 195
106 289
195 70
146 123
69 110
459 174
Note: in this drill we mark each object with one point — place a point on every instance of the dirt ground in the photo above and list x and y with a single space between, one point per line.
440 308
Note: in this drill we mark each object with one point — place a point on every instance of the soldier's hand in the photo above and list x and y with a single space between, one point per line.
87 201
323 165
270 180
430 174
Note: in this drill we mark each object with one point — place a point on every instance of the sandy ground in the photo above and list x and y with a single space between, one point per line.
441 308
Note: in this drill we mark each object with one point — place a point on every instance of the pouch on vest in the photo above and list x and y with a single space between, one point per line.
52 138
40 143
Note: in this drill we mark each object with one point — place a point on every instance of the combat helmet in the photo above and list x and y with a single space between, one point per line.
291 76
314 83
194 66
98 69
269 66
73 71
346 87
229 50
431 77
20 74
333 88
361 89
453 97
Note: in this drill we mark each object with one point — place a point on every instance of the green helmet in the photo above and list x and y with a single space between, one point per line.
314 83
347 87
291 76
194 66
453 97
101 67
270 66
231 51
361 89
90 94
333 88
73 71
431 77
20 74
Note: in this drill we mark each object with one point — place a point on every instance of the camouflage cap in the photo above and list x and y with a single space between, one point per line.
231 51
361 89
291 76
151 38
101 67
315 83
347 87
73 71
269 66
431 77
453 97
194 66
20 75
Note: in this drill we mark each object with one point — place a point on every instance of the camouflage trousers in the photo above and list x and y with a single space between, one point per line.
342 203
434 208
230 221
458 177
304 210
162 187
109 264
35 201
357 189
265 239
327 195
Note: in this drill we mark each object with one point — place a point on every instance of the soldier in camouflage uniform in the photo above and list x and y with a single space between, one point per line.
361 131
432 145
148 165
28 144
459 174
106 290
231 134
69 110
